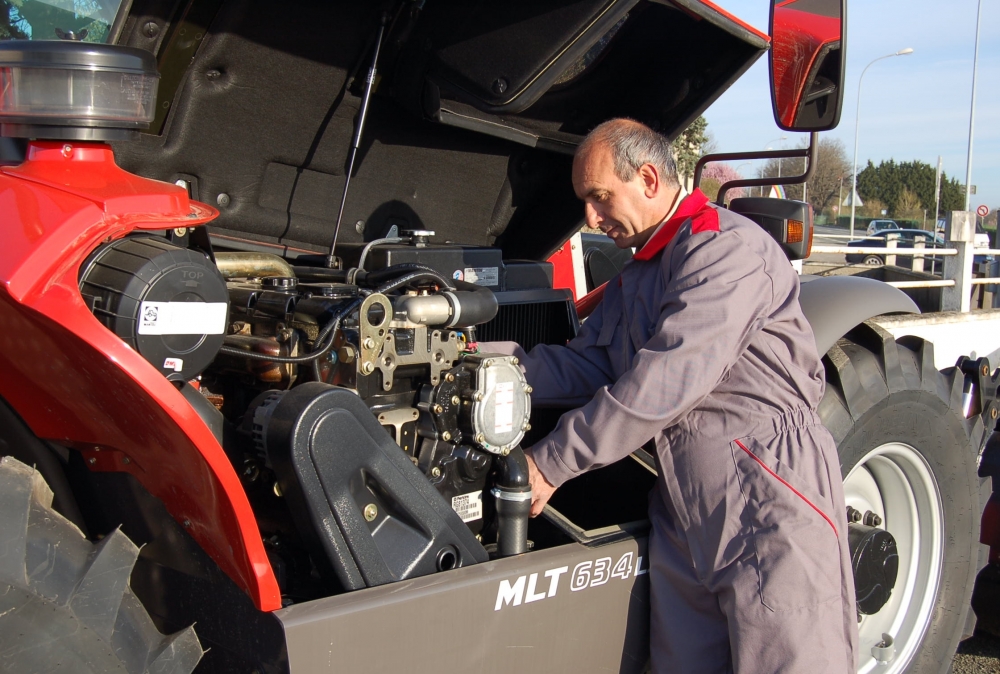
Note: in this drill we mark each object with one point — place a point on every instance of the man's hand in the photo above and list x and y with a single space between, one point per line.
541 489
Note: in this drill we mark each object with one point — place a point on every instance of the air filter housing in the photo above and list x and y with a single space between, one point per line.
68 90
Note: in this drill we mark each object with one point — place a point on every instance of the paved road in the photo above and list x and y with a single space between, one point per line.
978 655
822 236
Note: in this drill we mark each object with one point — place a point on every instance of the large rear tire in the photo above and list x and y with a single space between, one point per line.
66 604
908 455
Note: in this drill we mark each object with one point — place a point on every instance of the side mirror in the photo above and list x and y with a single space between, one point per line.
789 222
807 63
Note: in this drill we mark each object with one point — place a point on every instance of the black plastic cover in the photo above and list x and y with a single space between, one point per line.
773 216
875 562
120 276
356 495
476 264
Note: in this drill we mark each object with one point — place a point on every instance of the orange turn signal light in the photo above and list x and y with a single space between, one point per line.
796 232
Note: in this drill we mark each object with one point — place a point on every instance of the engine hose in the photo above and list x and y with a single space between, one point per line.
478 304
374 277
329 330
512 495
322 344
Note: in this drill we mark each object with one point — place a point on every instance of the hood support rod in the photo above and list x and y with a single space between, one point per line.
331 260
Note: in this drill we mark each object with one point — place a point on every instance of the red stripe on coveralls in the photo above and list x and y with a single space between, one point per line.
794 490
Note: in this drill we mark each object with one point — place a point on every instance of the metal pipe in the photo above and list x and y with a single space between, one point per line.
252 265
857 117
810 152
972 111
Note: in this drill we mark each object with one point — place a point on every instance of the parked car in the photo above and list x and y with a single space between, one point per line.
876 226
907 239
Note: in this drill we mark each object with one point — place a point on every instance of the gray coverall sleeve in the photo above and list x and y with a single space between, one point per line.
716 298
564 376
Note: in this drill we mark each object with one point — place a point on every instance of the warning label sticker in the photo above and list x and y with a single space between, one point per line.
504 412
175 364
468 506
182 318
483 276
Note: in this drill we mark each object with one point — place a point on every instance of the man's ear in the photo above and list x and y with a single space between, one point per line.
650 180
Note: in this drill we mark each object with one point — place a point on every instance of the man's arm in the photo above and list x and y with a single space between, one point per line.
565 376
714 303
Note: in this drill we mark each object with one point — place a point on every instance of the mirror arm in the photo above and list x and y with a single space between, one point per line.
810 152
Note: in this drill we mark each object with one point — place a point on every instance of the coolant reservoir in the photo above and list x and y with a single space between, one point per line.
70 90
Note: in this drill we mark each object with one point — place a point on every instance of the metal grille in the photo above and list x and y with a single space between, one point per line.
530 324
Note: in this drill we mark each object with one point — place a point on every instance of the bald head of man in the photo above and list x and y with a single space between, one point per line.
625 175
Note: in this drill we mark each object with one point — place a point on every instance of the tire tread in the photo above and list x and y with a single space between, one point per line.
51 567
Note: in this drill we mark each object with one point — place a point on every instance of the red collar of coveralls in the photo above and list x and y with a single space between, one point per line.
695 207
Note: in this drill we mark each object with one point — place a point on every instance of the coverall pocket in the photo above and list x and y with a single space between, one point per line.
795 539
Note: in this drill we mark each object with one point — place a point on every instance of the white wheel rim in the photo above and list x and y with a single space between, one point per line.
895 482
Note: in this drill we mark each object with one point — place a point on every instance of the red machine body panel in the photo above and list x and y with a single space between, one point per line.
76 383
799 39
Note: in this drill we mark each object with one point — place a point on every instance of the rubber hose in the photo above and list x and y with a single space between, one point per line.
512 495
375 277
477 304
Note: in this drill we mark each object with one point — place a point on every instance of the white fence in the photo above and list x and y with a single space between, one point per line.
956 261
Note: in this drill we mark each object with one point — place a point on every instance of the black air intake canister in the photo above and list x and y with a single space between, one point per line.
168 303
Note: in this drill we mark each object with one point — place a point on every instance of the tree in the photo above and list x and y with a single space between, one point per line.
872 209
888 182
831 174
715 175
908 207
11 22
688 148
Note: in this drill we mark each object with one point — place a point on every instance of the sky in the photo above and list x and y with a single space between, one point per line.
912 107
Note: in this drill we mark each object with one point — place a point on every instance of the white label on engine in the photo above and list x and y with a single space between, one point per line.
182 318
504 414
483 276
468 506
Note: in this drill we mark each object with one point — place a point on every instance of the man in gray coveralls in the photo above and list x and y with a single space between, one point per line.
700 344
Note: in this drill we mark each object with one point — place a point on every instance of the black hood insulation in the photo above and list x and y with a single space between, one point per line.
474 118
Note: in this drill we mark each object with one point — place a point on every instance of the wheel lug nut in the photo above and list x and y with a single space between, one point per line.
872 519
853 514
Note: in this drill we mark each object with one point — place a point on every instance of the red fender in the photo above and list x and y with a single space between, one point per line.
76 383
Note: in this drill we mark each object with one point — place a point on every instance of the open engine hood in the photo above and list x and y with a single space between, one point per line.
477 109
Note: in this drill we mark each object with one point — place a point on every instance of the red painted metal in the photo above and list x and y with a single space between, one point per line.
989 530
563 271
735 19
76 383
799 37
586 304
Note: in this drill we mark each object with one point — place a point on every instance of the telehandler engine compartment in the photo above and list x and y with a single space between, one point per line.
358 409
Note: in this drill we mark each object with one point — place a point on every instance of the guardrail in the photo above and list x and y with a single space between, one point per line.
957 261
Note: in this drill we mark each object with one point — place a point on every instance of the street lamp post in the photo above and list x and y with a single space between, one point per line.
857 117
972 111
767 146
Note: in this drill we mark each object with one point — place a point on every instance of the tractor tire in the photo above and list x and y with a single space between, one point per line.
65 603
908 455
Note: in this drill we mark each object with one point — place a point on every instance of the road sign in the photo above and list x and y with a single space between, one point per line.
982 211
